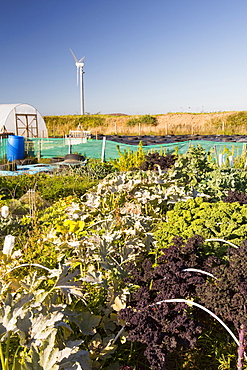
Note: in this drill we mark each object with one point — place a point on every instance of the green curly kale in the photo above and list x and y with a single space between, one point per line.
210 220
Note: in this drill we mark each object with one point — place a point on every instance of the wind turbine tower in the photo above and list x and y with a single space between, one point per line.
79 65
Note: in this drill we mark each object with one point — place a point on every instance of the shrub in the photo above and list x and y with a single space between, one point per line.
148 120
145 120
56 186
133 122
233 120
237 119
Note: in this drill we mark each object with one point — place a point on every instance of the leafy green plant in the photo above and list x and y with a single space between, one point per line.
210 220
129 159
56 186
98 231
149 319
156 317
218 182
95 169
34 332
11 225
49 187
154 161
191 168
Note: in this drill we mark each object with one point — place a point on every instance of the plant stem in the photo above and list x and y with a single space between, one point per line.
2 358
241 348
131 350
7 351
15 356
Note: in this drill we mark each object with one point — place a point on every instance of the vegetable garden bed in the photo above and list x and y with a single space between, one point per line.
135 264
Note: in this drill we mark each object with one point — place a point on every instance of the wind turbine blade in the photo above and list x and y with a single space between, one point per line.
73 55
81 60
77 75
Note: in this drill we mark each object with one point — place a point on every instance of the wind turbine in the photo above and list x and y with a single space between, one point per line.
79 65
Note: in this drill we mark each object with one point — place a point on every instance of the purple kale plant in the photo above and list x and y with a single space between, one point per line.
165 327
154 159
227 297
235 196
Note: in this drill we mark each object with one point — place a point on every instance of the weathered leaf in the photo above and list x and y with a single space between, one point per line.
66 352
36 326
70 366
81 225
42 325
107 350
76 361
86 322
40 295
65 278
43 357
11 310
48 353
24 324
93 277
66 283
15 284
108 324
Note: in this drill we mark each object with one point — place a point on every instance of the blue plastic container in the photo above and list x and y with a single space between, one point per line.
15 147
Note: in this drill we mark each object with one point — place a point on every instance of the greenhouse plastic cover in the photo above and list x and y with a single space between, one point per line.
8 114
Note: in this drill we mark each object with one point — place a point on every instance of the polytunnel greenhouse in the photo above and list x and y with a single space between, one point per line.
22 120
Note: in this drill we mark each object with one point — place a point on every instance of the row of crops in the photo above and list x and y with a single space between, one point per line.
138 263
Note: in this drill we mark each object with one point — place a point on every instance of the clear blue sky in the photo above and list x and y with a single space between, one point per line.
141 56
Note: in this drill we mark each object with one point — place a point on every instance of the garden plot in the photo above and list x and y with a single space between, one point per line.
144 270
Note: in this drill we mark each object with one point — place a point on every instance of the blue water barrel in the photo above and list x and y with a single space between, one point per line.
15 147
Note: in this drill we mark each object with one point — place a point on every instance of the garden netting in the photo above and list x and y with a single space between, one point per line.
59 147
